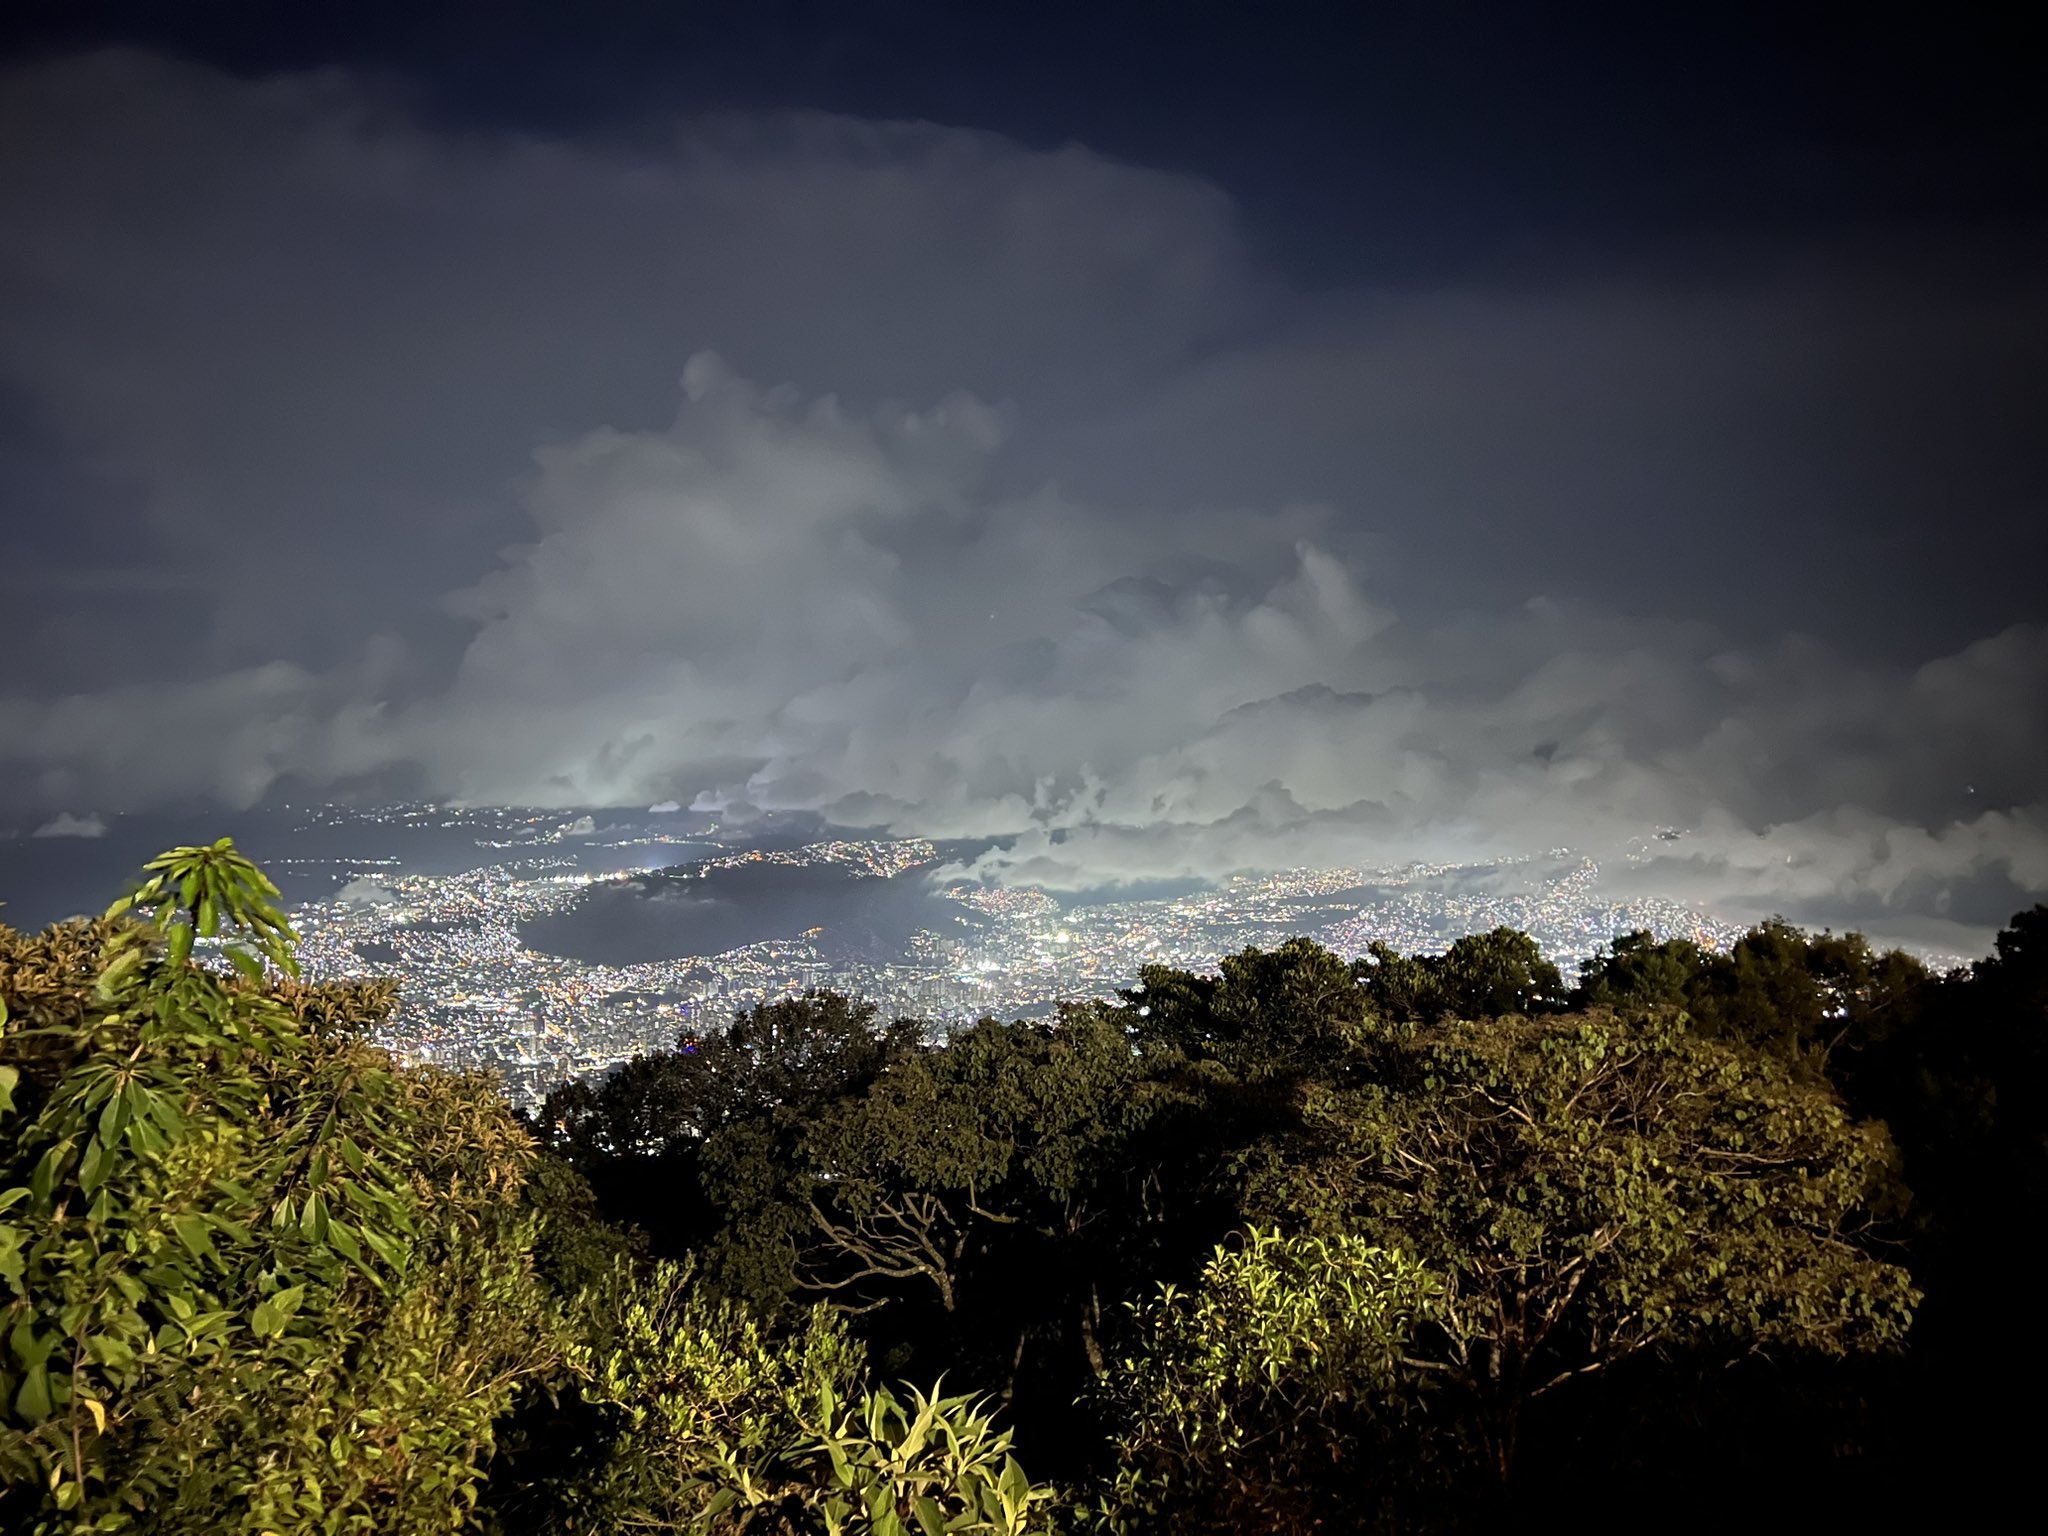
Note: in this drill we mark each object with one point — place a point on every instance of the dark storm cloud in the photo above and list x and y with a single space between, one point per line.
1075 525
291 328
1841 449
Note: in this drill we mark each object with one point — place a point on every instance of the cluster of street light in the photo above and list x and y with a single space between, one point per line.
477 995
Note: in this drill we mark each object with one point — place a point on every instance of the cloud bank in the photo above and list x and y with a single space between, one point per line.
464 465
65 824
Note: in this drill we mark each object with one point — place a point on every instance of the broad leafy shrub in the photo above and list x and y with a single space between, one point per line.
1283 1360
255 1276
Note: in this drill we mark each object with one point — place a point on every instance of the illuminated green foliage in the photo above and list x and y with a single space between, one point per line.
1590 1186
1242 1392
930 1466
729 1426
714 1409
1481 976
254 1277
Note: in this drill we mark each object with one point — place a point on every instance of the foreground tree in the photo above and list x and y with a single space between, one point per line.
1252 1400
255 1278
716 1423
1819 1000
698 1146
1481 976
1020 1139
260 1278
1593 1186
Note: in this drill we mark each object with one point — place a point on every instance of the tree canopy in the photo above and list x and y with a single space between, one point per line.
1305 1244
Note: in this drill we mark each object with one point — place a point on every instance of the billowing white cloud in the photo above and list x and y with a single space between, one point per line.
788 602
64 824
340 339
1075 526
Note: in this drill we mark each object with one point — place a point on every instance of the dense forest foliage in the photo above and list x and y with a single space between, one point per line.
1410 1242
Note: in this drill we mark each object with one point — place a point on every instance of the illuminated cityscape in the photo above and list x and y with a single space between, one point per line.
477 994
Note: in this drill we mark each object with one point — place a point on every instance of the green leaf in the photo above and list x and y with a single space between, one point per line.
715 1506
117 972
92 1168
114 1117
391 1252
192 1232
32 1400
165 1113
842 1473
106 1349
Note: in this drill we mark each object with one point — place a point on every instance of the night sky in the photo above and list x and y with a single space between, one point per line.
1171 438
